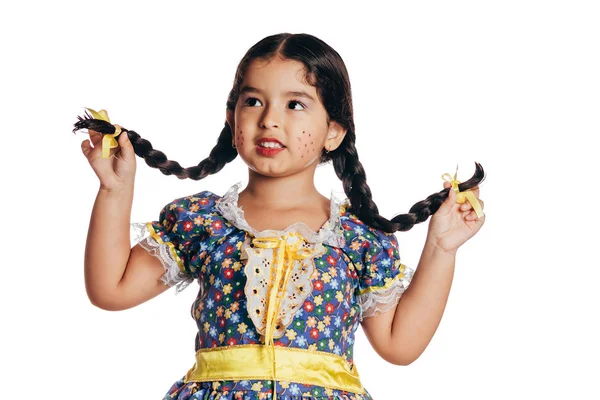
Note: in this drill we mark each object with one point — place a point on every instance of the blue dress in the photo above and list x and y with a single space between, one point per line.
274 306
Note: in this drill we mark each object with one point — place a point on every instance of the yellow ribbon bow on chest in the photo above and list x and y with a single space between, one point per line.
287 254
108 140
461 197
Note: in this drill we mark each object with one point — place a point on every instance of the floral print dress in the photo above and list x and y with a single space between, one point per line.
343 273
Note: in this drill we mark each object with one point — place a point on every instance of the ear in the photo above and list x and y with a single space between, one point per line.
230 120
335 136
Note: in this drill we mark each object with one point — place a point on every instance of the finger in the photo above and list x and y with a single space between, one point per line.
125 146
86 147
446 185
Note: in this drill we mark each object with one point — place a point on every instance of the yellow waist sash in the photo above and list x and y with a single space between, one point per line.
253 361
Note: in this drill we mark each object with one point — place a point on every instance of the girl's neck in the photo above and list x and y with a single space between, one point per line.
278 193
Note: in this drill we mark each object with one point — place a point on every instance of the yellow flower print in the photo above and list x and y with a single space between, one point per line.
242 327
172 206
237 266
194 207
315 274
198 221
257 386
332 271
311 322
228 313
207 222
373 268
312 347
235 306
339 296
291 334
284 384
331 344
329 392
321 326
221 338
226 262
206 327
216 385
211 279
327 320
355 246
227 288
318 300
326 277
352 312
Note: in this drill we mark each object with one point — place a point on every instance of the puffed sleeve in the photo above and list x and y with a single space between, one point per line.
383 278
175 239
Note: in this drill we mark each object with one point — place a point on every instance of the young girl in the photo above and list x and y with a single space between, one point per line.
286 275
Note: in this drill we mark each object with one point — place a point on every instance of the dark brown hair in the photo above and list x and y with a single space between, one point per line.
326 71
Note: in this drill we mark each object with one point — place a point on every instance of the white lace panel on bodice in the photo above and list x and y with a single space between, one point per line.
295 280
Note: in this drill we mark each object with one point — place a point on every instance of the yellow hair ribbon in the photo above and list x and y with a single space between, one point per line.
461 197
108 140
286 253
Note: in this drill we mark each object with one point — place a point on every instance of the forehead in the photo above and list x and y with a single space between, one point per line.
277 75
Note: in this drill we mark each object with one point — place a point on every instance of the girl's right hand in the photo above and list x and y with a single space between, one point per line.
117 171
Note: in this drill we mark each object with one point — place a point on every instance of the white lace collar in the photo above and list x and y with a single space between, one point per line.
331 232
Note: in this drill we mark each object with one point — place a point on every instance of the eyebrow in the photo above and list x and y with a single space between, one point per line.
252 89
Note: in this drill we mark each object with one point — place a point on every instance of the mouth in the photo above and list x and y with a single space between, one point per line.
269 147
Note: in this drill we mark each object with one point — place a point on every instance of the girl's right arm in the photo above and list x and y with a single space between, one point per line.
117 277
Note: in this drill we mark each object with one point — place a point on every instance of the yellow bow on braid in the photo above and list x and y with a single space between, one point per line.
108 140
286 253
461 197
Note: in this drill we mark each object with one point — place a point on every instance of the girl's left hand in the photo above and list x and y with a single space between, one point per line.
453 223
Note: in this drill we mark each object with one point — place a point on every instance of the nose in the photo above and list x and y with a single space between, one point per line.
270 118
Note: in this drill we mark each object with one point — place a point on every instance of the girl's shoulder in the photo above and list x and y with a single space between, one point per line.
361 237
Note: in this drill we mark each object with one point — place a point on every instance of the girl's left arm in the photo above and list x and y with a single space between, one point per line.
401 335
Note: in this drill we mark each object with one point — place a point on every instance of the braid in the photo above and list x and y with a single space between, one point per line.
352 174
220 155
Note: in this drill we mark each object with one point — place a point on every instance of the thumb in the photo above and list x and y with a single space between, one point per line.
126 146
449 202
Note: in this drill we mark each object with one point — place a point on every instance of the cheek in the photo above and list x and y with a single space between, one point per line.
239 139
306 146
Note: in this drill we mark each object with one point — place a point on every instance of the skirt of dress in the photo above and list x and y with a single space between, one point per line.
256 390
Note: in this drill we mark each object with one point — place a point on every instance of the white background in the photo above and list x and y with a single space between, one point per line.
514 85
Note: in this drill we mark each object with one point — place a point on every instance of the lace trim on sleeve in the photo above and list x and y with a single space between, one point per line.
173 276
378 301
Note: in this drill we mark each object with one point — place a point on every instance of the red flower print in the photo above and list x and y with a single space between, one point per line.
214 343
228 273
203 201
279 344
329 308
222 322
232 341
318 285
314 333
187 226
228 250
338 251
391 252
308 306
238 294
331 260
217 225
218 296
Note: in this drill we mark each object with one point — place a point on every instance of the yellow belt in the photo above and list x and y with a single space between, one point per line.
253 362
289 364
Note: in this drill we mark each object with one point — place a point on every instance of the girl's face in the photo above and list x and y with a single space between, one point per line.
280 126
